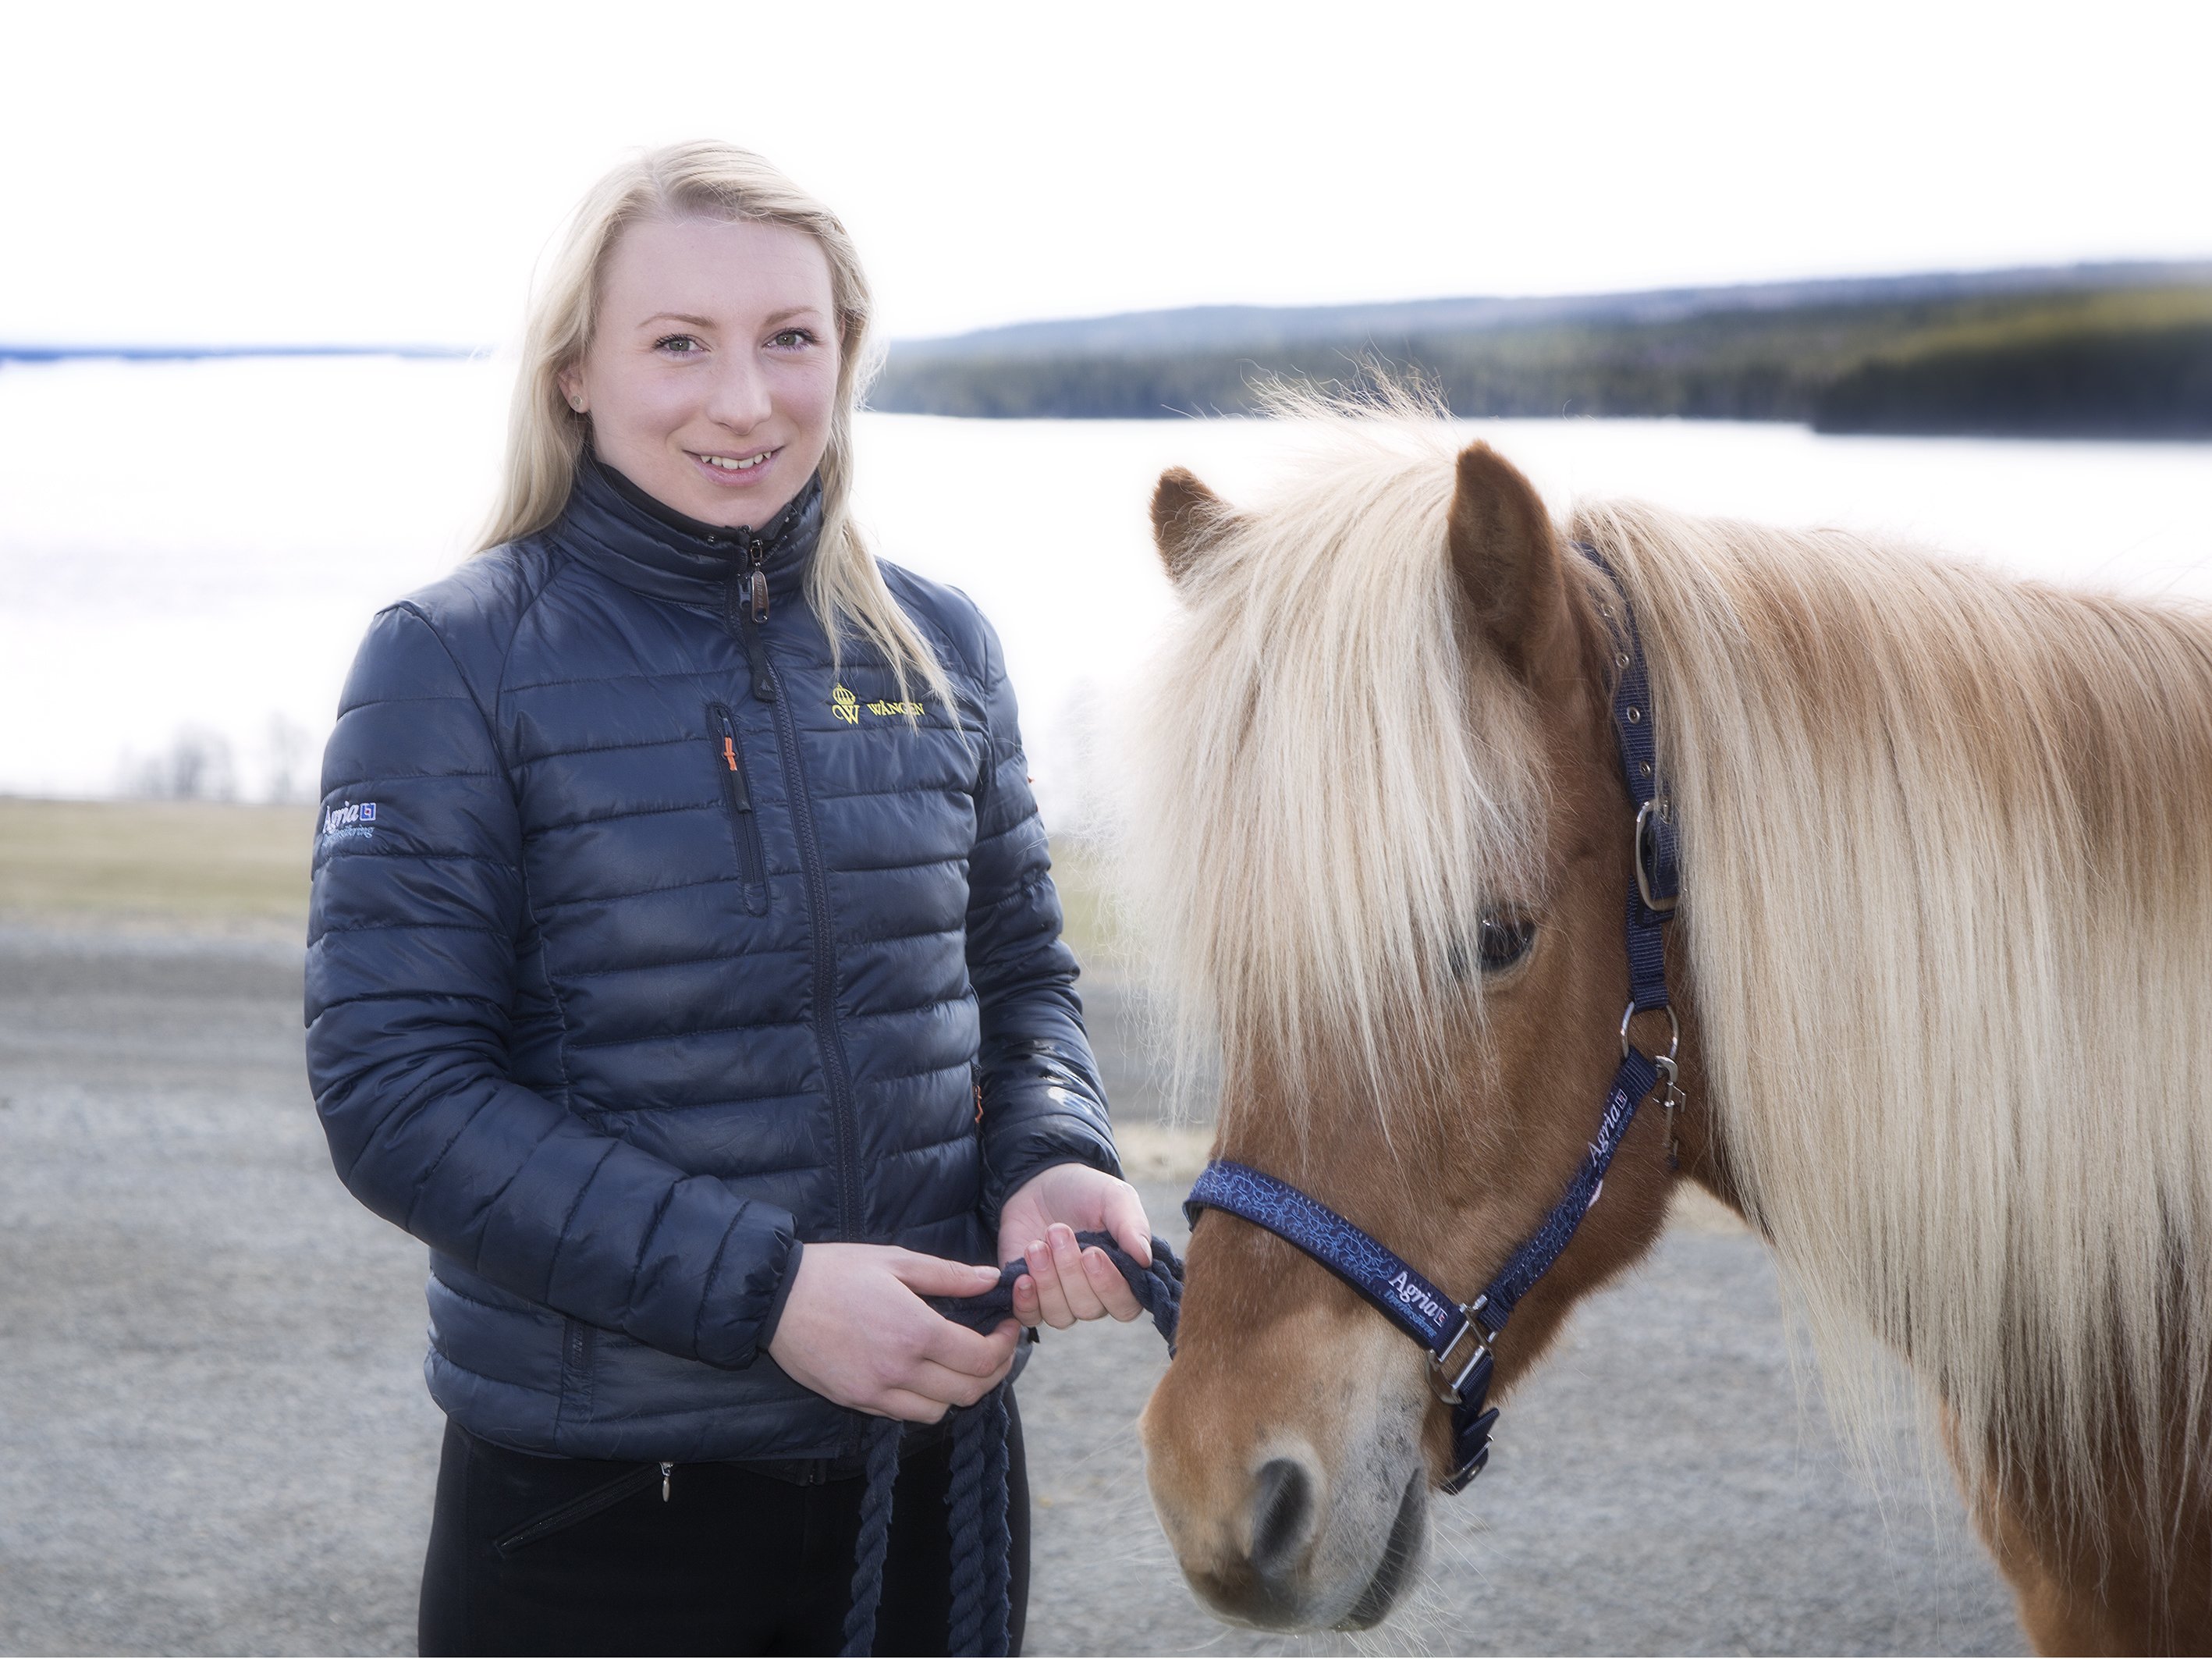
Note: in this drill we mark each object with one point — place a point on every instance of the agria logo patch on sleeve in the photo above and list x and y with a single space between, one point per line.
351 821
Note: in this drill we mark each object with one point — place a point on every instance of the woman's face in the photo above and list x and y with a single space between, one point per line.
712 374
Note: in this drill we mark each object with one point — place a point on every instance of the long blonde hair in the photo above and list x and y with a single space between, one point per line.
702 179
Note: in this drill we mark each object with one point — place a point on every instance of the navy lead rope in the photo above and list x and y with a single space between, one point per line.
977 1494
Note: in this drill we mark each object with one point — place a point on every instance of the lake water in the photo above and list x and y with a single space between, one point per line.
190 552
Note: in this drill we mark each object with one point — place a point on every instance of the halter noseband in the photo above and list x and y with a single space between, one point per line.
1458 1336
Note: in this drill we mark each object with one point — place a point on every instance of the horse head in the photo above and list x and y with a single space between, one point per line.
1394 833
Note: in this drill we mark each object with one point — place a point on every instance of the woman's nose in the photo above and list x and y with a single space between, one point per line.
741 397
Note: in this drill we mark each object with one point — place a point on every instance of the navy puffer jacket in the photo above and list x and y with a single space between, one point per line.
645 947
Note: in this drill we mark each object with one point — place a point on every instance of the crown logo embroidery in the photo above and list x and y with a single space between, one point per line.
845 705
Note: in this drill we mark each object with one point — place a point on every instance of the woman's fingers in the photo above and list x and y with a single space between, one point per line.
1083 1300
1068 1283
1027 1307
951 1388
933 1275
1112 1290
969 1353
1044 1278
1123 1213
905 1405
951 1372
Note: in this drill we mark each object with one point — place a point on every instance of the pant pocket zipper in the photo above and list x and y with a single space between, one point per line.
584 1508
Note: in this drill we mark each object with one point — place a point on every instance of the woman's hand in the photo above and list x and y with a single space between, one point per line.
1064 1283
855 1328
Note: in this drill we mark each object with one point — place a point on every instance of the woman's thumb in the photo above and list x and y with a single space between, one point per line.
933 1275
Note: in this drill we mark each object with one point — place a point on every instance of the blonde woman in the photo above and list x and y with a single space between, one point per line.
684 970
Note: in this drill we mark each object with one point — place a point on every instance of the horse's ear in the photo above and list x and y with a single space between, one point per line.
1188 518
1507 558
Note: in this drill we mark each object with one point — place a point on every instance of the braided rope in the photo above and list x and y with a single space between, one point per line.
997 1527
981 1526
972 1499
875 1539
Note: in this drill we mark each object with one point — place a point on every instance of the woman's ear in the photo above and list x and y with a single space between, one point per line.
1188 519
1507 558
571 381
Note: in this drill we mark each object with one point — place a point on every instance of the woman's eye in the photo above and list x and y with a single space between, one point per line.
791 339
679 345
1501 939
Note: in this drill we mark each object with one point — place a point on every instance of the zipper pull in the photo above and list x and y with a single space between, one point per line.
760 581
667 1472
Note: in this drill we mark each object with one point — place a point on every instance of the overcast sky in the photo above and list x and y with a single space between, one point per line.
389 172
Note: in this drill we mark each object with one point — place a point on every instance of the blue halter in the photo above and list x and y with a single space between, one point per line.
1458 1336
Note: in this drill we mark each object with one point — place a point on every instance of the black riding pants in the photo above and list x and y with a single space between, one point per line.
541 1555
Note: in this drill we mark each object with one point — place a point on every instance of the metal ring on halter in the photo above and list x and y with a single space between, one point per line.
1673 1032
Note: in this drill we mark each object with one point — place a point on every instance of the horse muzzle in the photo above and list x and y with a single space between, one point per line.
1305 1512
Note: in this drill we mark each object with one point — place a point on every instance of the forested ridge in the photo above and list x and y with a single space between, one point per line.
2120 351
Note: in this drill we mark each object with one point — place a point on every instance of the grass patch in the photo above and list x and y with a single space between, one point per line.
200 864
222 866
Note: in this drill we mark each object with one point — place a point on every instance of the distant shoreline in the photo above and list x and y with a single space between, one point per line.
160 354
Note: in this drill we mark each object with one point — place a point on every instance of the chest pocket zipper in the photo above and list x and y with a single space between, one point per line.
737 799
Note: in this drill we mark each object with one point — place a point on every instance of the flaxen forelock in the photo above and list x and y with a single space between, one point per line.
1330 789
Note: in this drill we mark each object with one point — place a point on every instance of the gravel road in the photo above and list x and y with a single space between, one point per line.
214 1436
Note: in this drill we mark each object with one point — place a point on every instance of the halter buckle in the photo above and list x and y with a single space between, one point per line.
1480 1336
1647 855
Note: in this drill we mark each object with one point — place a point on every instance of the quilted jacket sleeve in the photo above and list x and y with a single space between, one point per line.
418 940
1042 1102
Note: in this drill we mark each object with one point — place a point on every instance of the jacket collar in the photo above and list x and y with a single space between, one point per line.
646 545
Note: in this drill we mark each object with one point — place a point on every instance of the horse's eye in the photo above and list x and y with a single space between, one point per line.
1503 941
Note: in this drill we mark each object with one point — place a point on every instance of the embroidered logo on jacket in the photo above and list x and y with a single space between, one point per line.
847 707
351 821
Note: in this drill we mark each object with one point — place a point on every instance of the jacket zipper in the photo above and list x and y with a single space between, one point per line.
584 1508
767 685
737 798
758 549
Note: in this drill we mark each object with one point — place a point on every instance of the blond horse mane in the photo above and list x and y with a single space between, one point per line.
1949 837
1947 867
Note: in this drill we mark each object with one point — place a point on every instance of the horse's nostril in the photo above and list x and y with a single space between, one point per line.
1282 1512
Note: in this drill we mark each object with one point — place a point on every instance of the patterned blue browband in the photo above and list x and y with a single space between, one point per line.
1458 1337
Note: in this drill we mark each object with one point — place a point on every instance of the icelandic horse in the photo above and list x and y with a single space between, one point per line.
1942 964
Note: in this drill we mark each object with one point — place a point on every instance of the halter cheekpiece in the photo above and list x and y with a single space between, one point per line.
1458 1336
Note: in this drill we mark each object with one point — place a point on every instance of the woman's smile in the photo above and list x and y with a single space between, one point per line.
740 469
